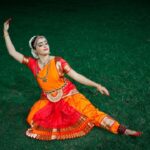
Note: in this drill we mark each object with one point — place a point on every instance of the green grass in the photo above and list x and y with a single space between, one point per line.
107 41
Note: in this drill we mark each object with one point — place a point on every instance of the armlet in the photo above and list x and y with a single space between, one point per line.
62 66
25 60
67 68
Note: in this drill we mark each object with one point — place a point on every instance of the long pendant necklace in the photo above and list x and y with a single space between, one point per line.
44 78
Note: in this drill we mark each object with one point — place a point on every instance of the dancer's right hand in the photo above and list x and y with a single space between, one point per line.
6 24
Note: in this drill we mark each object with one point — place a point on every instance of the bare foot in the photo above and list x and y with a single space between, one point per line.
132 133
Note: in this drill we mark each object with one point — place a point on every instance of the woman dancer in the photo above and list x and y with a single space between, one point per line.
62 112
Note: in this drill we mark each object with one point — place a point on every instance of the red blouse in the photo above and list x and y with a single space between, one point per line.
62 67
61 64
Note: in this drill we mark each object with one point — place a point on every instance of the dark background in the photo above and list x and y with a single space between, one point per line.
107 41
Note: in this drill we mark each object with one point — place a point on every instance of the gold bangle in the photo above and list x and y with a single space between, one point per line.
25 60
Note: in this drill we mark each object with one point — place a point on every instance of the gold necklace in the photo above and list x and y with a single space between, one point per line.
44 78
44 63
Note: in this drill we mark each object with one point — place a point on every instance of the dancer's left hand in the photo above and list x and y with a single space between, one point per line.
102 90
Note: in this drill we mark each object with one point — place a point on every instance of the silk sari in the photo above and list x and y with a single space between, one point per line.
62 112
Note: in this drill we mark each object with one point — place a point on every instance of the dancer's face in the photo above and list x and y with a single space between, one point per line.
42 47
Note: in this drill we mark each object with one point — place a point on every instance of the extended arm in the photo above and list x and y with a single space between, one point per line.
83 80
10 47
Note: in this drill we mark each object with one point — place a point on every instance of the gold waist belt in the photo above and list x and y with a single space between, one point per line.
56 94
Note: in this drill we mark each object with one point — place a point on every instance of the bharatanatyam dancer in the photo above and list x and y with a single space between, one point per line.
62 112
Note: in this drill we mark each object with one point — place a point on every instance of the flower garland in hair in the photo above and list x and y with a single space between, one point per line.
32 48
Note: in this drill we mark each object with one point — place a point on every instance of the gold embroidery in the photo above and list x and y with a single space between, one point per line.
59 68
80 128
55 96
67 68
107 122
73 91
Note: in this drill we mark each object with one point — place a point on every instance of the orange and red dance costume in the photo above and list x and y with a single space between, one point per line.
62 112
